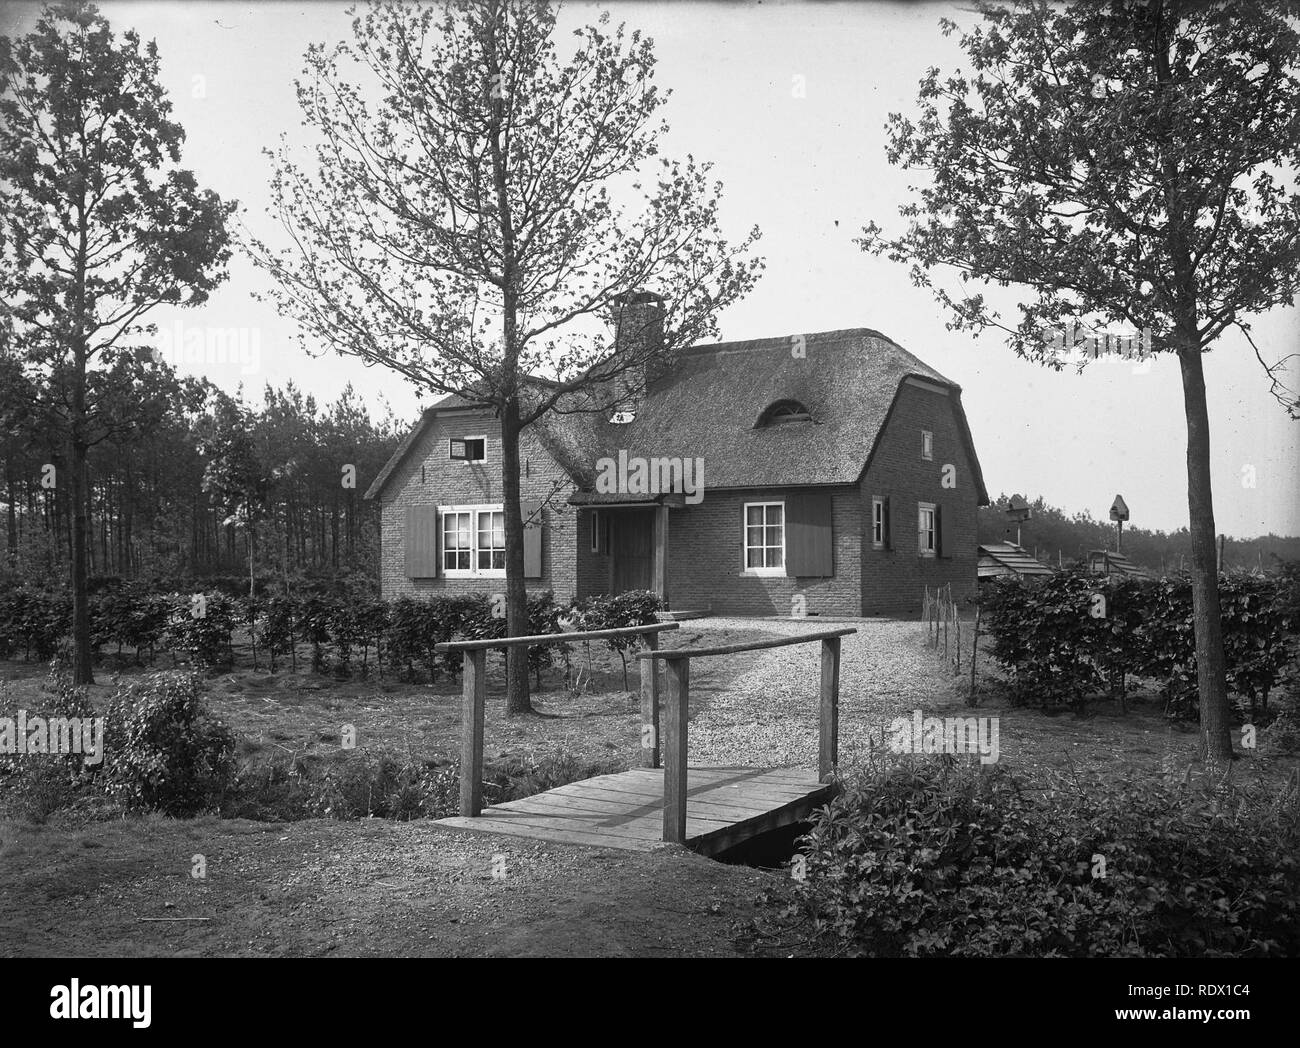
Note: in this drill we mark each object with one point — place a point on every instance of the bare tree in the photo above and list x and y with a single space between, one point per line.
477 208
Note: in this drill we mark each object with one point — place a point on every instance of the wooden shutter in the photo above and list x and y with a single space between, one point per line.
943 532
808 535
420 542
893 526
532 538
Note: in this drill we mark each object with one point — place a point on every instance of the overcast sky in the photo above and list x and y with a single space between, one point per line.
810 171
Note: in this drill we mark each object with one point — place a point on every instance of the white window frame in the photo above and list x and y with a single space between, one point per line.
595 531
473 571
923 508
877 522
927 445
468 462
745 547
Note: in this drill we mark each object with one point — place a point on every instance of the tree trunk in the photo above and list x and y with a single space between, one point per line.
1210 670
11 518
82 670
517 697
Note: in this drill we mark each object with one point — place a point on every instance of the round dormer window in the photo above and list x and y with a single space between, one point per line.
784 411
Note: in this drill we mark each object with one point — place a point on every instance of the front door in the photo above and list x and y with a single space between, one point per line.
631 543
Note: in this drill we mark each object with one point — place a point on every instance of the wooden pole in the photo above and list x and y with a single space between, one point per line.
956 622
828 736
974 649
650 705
659 557
677 677
947 610
473 693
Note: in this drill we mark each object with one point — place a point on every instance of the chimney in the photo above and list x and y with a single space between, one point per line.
639 333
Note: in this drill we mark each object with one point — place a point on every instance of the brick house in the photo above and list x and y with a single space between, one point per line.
835 475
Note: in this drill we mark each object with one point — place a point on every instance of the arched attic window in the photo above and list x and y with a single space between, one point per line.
781 412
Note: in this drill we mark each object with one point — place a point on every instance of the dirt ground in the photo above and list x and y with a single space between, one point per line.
373 888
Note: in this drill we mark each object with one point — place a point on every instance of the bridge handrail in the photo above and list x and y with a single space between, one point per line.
676 713
473 697
491 643
731 649
676 706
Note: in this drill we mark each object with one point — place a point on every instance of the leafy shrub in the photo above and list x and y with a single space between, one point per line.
936 858
383 785
386 784
41 784
163 750
198 628
313 624
404 631
278 627
1059 651
33 621
623 610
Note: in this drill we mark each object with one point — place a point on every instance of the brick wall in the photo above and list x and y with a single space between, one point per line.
893 581
447 483
593 568
706 556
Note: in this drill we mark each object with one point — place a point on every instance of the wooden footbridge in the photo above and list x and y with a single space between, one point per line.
707 809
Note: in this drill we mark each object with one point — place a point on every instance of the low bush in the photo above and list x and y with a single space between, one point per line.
163 750
623 610
380 785
39 784
936 858
284 787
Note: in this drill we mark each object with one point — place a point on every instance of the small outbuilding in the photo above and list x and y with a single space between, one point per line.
1007 558
1106 562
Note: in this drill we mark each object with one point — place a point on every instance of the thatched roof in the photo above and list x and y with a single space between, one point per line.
707 406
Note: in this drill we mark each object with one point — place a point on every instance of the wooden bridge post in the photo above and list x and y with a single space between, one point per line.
473 693
828 742
677 675
650 705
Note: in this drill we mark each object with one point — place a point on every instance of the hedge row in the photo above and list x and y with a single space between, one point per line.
343 631
935 858
1075 635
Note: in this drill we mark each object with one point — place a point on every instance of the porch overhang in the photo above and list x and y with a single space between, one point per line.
619 500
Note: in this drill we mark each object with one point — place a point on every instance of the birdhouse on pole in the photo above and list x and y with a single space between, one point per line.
1119 514
1019 511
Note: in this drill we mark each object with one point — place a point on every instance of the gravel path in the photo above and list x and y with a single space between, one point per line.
767 715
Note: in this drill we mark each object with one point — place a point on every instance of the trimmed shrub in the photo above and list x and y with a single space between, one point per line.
1070 637
935 858
634 608
198 628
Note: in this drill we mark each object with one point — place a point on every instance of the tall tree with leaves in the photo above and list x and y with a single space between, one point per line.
1124 163
479 206
234 475
98 225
